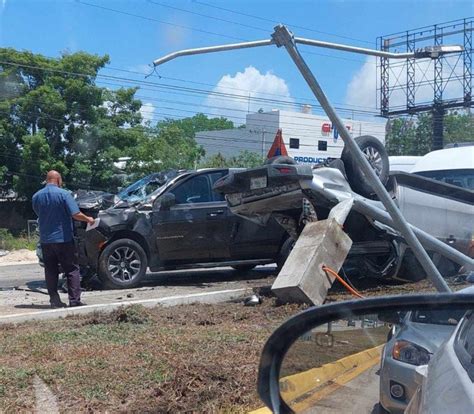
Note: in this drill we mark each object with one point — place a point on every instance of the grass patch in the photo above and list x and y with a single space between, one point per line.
10 242
193 358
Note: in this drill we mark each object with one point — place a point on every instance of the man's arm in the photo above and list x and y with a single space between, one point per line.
75 212
82 217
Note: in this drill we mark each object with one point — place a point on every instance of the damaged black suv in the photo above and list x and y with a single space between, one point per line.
182 224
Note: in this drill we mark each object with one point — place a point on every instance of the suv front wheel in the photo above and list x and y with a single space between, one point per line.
122 264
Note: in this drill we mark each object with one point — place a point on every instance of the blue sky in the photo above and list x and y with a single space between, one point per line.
52 26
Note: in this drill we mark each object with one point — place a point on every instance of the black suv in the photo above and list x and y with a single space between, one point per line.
183 223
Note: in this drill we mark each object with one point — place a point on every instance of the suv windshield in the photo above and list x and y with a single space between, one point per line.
141 189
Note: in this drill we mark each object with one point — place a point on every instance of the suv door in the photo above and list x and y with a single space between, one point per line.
196 228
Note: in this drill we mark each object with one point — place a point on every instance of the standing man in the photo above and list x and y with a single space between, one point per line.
55 209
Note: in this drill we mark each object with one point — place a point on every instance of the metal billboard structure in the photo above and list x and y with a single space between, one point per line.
436 84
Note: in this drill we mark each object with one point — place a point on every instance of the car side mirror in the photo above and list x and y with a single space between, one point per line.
167 201
314 353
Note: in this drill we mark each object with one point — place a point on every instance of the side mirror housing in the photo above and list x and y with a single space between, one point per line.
167 201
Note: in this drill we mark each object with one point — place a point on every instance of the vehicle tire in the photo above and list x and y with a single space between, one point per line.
244 268
285 251
280 159
122 264
377 156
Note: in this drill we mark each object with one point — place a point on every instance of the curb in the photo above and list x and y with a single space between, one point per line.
294 386
208 297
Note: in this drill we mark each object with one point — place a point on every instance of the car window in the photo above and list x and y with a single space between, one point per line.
214 177
194 190
460 178
448 317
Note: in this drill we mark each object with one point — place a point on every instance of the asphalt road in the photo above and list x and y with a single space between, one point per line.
359 396
32 274
18 275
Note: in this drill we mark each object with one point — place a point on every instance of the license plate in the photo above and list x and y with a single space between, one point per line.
258 182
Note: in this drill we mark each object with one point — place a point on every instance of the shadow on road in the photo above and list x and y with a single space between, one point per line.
204 278
33 306
199 278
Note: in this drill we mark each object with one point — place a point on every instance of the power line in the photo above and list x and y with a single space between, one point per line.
157 20
207 16
173 87
293 126
277 22
208 32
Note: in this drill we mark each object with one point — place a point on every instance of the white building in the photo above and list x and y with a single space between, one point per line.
308 138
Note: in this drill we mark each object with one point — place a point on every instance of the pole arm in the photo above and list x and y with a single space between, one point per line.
427 52
212 49
353 49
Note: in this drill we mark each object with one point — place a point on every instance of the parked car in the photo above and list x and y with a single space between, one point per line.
447 382
447 219
182 224
418 337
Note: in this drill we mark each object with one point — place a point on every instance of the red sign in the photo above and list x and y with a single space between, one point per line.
326 128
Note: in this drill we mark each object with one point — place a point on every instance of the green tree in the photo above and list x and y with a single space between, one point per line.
37 160
413 136
86 127
197 123
245 159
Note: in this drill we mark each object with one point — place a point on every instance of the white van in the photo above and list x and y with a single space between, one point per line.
448 220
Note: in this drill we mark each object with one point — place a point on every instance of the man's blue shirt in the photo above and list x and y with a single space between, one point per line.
55 208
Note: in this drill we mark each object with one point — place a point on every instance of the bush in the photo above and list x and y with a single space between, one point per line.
10 242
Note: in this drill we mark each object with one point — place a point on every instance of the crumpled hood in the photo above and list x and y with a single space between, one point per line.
94 200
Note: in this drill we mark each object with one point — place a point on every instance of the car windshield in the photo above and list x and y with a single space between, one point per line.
140 189
437 317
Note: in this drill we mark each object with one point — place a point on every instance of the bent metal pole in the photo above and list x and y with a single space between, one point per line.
283 37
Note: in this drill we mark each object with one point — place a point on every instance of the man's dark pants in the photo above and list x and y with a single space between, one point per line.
64 254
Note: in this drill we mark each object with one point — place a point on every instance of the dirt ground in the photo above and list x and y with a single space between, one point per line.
195 358
192 358
16 256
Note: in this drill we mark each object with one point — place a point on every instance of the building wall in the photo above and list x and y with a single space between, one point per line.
300 129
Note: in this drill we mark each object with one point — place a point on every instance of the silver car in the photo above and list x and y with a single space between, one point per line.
418 337
447 382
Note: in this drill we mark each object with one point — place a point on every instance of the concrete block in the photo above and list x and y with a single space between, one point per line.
302 279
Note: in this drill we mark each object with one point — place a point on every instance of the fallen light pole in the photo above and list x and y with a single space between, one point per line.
283 37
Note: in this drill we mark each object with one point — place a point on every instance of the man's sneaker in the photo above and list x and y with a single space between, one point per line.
74 304
58 305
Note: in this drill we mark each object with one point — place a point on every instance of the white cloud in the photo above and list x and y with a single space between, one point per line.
148 112
362 89
250 81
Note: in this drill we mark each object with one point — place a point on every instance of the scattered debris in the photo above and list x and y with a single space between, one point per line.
253 300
